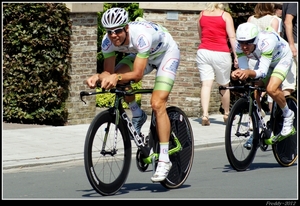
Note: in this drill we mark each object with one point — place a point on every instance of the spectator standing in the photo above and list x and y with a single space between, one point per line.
289 33
278 13
214 61
264 16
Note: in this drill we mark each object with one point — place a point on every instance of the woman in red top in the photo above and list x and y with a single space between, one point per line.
215 28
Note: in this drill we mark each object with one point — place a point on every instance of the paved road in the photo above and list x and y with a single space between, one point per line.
29 145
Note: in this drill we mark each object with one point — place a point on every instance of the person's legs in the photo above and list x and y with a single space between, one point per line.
163 128
139 117
164 82
222 67
274 90
225 99
205 99
207 76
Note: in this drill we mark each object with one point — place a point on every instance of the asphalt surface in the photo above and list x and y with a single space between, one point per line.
26 145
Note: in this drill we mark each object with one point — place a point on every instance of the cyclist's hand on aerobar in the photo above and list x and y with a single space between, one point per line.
109 82
92 81
239 74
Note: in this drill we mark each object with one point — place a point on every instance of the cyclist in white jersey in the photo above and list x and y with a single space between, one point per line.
150 46
274 62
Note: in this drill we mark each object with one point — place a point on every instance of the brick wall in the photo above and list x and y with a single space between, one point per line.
83 65
186 91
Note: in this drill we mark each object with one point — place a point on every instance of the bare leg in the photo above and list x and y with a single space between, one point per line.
205 96
225 98
158 104
274 90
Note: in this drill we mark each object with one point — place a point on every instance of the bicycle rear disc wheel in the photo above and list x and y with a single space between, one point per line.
182 161
285 151
237 132
106 168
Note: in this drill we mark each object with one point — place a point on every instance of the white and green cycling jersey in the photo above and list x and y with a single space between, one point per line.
152 41
147 40
273 54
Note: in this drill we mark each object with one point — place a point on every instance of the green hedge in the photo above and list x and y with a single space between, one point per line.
36 43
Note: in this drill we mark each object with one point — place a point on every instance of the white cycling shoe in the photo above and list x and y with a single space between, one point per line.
287 126
162 171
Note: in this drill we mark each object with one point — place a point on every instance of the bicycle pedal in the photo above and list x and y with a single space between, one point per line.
290 134
279 137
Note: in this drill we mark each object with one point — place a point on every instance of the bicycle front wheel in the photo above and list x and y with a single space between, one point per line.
285 151
107 154
181 161
238 130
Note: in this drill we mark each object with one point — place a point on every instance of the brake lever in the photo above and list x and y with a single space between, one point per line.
84 93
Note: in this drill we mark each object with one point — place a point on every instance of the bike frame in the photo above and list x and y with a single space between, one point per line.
121 114
253 107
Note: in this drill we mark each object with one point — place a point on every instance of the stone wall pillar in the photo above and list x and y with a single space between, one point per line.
84 60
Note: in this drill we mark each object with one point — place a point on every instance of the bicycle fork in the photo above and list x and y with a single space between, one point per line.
266 131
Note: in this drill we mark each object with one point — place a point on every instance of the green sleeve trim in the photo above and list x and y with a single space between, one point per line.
267 54
110 54
240 55
143 55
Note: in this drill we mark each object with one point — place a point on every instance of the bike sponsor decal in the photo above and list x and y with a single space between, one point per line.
137 138
94 176
261 119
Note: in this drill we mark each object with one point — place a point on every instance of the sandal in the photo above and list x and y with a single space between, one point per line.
225 117
205 121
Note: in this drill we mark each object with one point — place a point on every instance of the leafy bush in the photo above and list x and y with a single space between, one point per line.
36 43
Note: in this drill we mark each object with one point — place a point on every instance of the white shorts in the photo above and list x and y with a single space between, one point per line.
214 65
290 80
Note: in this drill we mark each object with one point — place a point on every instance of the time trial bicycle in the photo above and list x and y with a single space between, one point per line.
108 149
245 121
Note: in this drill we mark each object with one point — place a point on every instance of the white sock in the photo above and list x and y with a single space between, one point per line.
135 109
286 112
163 154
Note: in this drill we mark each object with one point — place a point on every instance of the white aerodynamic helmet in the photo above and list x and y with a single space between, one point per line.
247 32
114 17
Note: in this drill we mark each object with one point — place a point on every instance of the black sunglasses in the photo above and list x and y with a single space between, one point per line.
115 31
247 42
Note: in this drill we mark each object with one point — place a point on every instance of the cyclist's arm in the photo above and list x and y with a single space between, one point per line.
137 72
110 80
109 64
